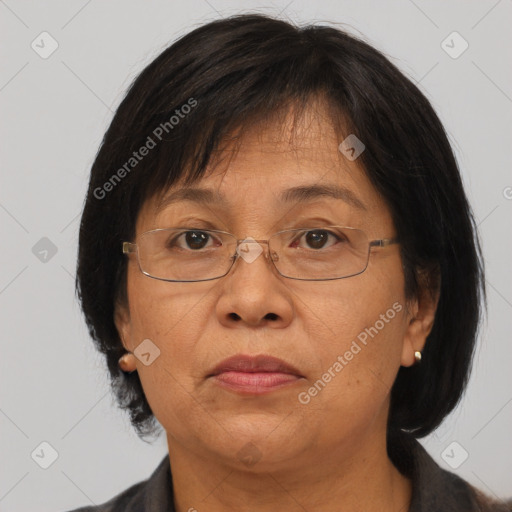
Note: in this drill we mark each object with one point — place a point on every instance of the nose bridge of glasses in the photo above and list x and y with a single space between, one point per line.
249 249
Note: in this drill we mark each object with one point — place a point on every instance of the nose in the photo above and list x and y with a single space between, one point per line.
253 294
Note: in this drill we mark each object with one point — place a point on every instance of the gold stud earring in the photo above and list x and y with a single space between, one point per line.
417 356
127 361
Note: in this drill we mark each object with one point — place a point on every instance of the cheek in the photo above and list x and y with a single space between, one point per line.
357 336
167 313
171 316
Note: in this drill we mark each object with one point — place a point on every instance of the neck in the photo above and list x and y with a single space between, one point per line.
353 477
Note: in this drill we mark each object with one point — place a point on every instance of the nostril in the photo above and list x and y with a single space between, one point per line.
234 316
271 316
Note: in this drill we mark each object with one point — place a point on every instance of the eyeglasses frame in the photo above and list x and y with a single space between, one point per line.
132 247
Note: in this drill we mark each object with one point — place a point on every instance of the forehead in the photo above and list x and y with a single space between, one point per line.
275 166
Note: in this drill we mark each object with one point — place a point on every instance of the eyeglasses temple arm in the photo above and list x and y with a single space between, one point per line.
128 247
383 242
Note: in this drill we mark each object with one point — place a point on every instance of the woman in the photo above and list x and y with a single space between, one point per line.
279 262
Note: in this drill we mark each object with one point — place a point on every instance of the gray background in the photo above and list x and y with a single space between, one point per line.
54 112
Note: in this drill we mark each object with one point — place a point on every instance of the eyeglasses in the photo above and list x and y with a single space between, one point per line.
308 254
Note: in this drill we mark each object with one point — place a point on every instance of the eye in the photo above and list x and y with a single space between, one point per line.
194 240
318 238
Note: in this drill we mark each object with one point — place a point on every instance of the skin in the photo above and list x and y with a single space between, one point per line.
329 454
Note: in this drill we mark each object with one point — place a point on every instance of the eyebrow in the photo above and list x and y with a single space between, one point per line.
304 193
299 194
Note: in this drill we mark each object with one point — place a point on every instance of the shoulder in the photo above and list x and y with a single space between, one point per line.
152 495
434 488
119 502
487 504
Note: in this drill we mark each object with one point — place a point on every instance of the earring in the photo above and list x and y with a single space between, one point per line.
127 361
417 356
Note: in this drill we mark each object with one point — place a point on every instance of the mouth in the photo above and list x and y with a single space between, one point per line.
254 375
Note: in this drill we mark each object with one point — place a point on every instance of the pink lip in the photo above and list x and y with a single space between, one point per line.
254 375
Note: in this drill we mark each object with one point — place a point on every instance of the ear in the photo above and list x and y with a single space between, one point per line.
421 315
123 324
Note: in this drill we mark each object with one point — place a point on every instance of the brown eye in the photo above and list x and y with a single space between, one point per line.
194 240
318 238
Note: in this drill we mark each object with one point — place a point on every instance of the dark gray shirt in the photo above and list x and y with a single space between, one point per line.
433 489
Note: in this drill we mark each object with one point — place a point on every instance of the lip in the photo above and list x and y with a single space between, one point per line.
254 374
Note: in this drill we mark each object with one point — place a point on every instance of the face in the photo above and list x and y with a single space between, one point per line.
345 339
